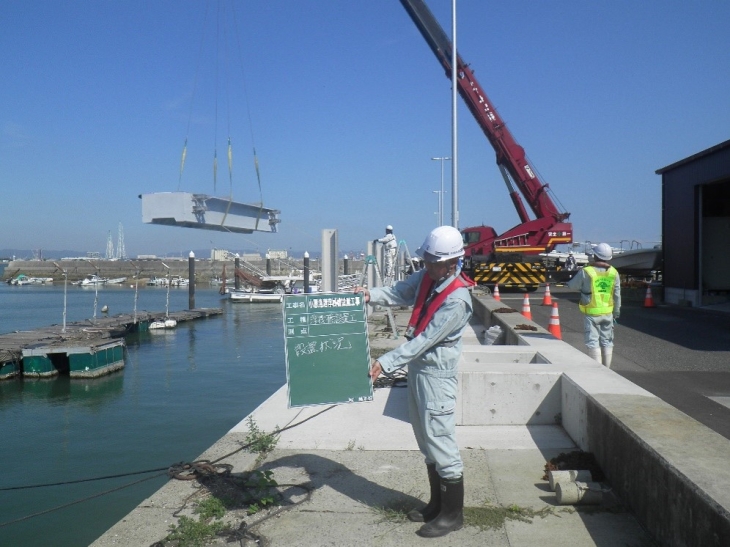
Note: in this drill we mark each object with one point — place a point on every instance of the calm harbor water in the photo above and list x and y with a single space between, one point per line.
179 392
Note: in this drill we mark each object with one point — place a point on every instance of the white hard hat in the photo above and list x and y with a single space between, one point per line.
389 227
603 251
441 244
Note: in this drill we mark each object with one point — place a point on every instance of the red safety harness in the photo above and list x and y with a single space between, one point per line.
424 308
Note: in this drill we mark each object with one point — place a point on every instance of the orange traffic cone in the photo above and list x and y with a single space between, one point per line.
496 292
648 300
554 323
526 308
547 300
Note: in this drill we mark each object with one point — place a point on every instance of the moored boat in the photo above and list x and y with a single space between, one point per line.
41 280
20 280
179 281
166 323
269 289
638 261
92 280
254 296
157 282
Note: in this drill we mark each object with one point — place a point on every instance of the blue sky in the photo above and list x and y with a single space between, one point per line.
345 105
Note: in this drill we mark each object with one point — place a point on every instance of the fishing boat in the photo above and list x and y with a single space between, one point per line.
20 280
269 289
92 280
251 296
166 323
179 281
40 280
638 261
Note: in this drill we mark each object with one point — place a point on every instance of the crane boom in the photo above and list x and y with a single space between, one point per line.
549 227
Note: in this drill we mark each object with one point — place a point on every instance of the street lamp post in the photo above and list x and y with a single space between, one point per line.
439 212
441 192
167 299
65 285
96 285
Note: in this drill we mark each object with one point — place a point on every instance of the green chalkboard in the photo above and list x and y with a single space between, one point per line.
327 351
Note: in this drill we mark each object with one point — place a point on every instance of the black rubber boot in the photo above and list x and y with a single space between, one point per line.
451 516
433 508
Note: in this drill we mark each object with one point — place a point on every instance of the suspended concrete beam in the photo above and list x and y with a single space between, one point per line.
207 212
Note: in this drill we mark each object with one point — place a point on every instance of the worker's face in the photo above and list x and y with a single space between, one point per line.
440 270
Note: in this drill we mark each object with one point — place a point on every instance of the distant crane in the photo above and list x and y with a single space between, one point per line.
109 246
121 251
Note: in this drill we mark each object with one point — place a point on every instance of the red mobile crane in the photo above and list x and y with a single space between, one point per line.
492 258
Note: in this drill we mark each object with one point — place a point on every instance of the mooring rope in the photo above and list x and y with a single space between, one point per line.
179 471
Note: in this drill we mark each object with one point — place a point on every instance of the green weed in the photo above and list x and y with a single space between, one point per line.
196 533
493 517
259 442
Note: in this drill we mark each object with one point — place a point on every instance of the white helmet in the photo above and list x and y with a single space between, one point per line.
603 251
441 244
389 228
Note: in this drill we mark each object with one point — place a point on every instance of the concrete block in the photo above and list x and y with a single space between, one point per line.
495 397
669 469
207 212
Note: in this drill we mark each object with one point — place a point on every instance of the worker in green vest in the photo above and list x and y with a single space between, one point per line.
600 302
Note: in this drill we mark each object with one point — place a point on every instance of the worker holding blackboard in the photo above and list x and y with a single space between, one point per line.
441 310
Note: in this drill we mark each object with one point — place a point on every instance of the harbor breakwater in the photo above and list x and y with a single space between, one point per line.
205 269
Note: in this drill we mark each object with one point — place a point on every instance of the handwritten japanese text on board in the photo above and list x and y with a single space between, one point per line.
327 352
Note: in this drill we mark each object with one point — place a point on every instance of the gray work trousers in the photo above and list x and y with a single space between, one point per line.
432 410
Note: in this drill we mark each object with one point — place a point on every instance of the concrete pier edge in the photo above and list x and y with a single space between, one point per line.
669 470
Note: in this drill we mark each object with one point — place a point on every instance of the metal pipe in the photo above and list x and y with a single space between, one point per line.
191 281
454 138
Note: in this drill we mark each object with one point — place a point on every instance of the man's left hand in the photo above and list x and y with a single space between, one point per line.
375 370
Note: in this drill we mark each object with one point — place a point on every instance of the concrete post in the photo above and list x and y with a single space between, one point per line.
191 281
329 260
306 272
236 281
373 280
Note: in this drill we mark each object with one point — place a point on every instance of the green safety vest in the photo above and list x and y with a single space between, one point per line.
602 284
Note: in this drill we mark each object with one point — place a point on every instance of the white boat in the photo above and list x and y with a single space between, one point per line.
92 280
638 261
22 279
157 282
560 258
40 280
179 281
116 281
254 296
272 289
163 324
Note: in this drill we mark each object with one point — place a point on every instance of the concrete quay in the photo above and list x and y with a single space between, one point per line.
350 468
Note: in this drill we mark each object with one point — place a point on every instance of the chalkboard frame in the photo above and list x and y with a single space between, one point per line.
327 349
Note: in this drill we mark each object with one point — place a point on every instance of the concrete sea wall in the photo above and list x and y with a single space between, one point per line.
670 470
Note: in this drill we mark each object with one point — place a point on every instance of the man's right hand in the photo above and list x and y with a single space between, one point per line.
365 293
